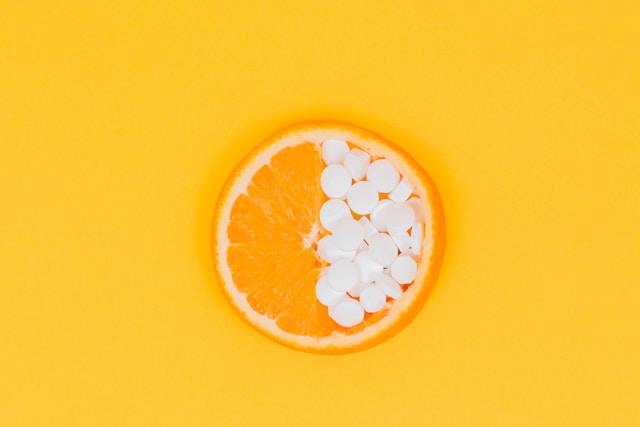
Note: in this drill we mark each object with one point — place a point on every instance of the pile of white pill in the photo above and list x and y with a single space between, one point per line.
376 228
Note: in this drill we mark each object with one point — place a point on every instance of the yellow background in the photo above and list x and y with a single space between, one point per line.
120 120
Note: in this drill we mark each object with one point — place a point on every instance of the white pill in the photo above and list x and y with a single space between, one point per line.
367 227
398 217
417 235
342 275
347 313
357 162
402 239
402 191
403 269
333 210
383 175
372 299
377 215
334 151
355 291
329 252
388 285
348 234
368 269
417 206
335 181
326 294
383 249
362 197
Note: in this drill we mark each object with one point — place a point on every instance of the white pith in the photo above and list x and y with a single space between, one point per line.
239 184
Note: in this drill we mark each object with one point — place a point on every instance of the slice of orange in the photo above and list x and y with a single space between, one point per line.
265 233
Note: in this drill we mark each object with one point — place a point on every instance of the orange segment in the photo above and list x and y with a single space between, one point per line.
270 231
298 168
282 199
265 232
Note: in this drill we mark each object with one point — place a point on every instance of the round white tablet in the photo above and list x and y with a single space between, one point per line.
347 313
362 197
372 298
383 175
348 234
383 249
403 269
335 181
342 275
398 217
334 151
333 210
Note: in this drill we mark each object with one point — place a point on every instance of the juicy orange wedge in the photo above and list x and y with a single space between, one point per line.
265 232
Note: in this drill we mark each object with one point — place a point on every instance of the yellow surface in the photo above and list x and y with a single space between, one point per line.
120 120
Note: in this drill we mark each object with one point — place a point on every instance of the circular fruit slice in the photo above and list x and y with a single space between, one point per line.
267 225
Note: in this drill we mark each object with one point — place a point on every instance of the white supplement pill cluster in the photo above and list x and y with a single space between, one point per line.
375 226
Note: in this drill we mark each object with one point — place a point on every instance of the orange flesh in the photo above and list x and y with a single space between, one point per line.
272 235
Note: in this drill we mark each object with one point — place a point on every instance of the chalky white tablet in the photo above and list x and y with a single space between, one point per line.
388 285
418 207
342 275
403 269
377 216
383 175
357 162
335 181
402 239
372 298
402 191
417 234
334 151
398 217
368 269
362 197
329 252
355 291
326 294
367 227
348 234
383 249
333 210
347 313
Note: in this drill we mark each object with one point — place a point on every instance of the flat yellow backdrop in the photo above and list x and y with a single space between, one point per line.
120 120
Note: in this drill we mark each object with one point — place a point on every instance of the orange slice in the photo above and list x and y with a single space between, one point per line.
265 233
